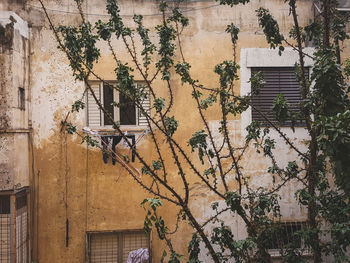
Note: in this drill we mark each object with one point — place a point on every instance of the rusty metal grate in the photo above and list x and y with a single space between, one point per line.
104 248
14 238
5 229
133 241
22 241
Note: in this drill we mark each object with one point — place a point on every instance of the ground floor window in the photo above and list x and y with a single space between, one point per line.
5 229
14 238
284 235
117 247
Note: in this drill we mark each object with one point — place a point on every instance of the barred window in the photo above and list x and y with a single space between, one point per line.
14 239
108 247
284 235
5 229
278 80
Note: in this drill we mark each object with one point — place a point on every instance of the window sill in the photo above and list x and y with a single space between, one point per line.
276 253
123 128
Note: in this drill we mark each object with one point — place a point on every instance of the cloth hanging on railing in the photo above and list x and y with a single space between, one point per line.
111 141
138 256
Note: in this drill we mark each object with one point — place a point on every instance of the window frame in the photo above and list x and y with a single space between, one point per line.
119 234
266 57
116 111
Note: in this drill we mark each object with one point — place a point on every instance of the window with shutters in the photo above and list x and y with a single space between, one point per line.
127 114
278 80
108 247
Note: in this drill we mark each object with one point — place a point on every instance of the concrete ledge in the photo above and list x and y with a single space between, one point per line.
15 131
20 24
265 57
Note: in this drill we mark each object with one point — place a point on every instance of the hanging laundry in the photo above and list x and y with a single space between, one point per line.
138 256
105 152
109 144
116 140
133 148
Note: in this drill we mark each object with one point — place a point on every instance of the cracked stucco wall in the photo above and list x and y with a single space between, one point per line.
71 181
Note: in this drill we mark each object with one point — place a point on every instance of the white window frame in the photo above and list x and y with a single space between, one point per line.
138 125
266 57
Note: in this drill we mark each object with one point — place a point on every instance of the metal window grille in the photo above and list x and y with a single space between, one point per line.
115 247
22 241
133 241
277 81
5 229
14 238
285 234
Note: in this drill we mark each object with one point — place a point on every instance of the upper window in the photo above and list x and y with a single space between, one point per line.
117 247
278 80
126 114
4 204
21 99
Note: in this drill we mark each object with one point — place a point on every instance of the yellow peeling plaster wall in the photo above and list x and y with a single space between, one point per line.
71 181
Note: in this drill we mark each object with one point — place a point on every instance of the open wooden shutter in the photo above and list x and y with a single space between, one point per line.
146 105
277 80
93 111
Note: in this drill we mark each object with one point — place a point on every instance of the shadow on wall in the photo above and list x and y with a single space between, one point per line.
6 34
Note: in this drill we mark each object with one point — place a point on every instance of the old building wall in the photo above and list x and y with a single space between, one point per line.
73 181
74 190
14 113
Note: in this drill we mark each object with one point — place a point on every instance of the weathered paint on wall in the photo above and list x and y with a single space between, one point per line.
14 74
70 180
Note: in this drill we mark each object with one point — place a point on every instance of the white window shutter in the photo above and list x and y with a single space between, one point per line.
93 111
146 105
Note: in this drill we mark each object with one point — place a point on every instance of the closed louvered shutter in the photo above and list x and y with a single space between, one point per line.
146 105
93 111
277 81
